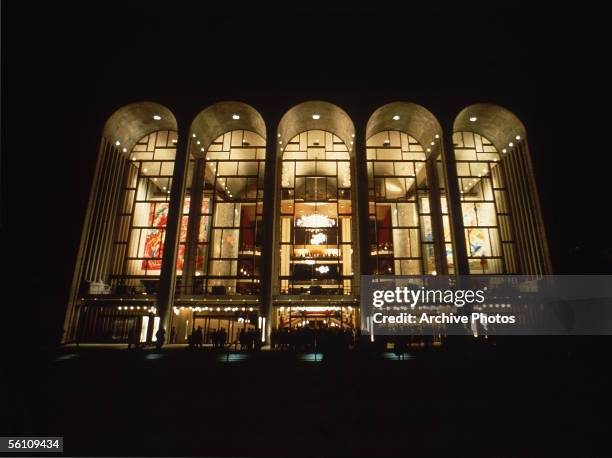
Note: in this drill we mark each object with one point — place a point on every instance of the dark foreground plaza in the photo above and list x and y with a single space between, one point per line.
108 401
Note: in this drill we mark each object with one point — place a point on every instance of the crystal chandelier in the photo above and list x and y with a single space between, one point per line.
315 220
318 238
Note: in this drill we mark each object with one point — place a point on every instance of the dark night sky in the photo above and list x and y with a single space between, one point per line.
67 66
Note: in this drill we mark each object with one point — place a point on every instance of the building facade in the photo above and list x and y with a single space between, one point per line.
230 223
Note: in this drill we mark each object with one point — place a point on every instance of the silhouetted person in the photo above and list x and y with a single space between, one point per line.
199 337
160 335
400 346
132 337
172 335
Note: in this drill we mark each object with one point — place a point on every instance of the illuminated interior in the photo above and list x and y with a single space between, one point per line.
484 205
229 236
296 268
399 213
316 242
329 316
143 211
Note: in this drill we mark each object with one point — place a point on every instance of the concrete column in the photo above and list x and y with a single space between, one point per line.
71 318
435 210
357 199
546 263
453 199
510 175
362 219
193 227
167 280
119 167
271 215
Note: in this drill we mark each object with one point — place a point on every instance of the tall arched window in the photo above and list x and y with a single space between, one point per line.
143 211
230 232
399 212
316 242
123 235
484 205
408 226
224 202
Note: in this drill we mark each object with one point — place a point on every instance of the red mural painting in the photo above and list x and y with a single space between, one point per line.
154 242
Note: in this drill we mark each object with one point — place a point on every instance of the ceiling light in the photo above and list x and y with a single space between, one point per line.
518 137
437 136
193 135
473 119
157 117
235 116
510 144
504 150
433 143
202 149
164 188
316 116
315 220
429 150
117 143
318 239
278 135
145 170
353 135
396 118
125 150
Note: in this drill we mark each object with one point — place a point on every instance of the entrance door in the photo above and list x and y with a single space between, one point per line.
315 316
231 325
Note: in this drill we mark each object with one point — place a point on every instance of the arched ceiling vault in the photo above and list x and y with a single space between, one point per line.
499 125
301 118
220 118
132 122
411 119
